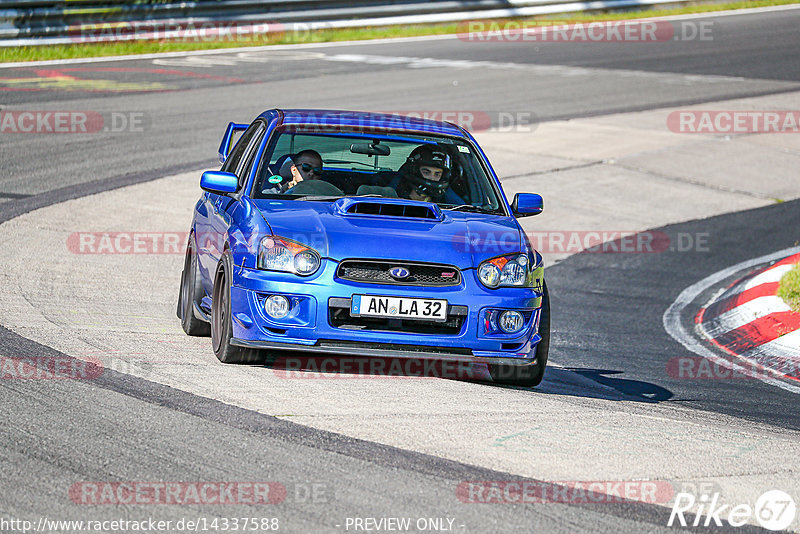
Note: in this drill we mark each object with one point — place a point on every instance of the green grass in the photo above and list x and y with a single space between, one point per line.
36 53
789 289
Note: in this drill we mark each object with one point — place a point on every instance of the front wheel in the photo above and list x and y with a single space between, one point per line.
191 289
528 375
221 325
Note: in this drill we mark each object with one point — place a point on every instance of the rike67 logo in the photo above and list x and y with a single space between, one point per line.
774 510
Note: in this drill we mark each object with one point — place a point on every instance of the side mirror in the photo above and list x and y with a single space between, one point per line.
527 204
219 182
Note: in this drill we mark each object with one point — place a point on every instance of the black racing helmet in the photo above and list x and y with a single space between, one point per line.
428 156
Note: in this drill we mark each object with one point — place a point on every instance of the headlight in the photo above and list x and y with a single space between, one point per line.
506 271
281 254
489 274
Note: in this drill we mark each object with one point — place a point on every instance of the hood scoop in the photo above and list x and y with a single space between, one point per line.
387 207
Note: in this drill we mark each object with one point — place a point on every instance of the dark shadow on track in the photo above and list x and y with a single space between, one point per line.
636 389
576 382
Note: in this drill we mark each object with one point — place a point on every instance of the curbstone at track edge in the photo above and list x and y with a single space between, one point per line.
750 321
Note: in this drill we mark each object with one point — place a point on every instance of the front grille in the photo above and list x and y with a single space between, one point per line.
419 274
339 317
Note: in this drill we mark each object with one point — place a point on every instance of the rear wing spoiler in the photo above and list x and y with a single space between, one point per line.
225 145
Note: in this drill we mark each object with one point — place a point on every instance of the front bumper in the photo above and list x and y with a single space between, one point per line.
310 328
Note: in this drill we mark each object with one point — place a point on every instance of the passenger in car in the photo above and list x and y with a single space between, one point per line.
305 165
426 175
292 169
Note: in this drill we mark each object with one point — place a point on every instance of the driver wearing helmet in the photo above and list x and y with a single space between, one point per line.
426 176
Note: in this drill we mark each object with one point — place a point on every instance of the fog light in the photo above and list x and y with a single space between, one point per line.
511 322
277 306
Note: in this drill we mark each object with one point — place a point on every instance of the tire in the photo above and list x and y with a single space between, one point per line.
221 325
191 289
528 375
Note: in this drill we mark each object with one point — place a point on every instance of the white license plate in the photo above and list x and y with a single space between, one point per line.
398 307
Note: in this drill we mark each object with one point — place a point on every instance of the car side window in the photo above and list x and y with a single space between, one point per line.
235 157
249 155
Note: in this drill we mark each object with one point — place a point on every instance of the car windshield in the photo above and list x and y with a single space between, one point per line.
325 166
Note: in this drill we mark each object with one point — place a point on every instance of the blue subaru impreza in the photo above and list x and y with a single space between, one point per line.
351 233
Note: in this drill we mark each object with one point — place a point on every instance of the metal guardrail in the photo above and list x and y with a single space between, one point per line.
33 22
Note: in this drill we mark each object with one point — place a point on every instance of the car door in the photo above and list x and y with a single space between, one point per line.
221 213
211 230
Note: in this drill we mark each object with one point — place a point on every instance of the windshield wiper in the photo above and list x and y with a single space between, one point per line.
470 208
340 161
317 197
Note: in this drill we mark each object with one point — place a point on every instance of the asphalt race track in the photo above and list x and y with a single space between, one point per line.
590 135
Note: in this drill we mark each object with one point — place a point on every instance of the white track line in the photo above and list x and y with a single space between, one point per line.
710 14
672 317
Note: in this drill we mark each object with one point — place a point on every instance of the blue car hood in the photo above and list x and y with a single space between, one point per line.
460 238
